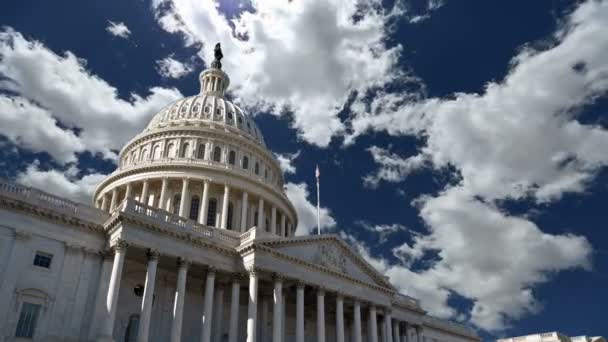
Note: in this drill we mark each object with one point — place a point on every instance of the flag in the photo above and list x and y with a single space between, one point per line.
317 173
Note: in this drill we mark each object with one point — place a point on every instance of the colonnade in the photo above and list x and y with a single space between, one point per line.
391 330
244 214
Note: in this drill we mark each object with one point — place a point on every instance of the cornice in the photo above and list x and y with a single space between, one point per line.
49 215
120 218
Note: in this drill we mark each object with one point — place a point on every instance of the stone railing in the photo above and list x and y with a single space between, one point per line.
450 326
176 222
404 300
201 162
44 200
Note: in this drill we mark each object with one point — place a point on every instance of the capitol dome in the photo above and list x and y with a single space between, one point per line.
202 158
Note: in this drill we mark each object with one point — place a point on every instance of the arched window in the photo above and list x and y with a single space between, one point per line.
232 158
257 168
133 157
185 152
201 151
176 201
143 155
211 211
217 154
194 207
245 162
156 154
229 218
171 151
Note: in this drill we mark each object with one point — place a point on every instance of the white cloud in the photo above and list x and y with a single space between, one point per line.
305 56
392 168
50 88
169 67
118 29
285 161
519 138
382 231
307 212
62 183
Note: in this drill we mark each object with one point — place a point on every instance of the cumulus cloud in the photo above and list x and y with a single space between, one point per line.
69 109
329 55
518 139
393 168
118 29
170 67
285 161
520 136
62 183
382 231
307 212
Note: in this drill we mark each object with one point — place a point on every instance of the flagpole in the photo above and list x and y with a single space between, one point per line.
317 174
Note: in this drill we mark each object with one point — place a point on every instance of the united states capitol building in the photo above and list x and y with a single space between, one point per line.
192 239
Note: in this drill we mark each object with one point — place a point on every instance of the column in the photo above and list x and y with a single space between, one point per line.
208 306
300 313
225 203
146 303
129 191
244 212
178 303
260 223
104 202
277 309
406 336
114 199
233 333
373 325
202 215
396 333
389 331
383 329
273 220
144 192
17 258
162 201
183 204
419 333
100 298
107 326
283 221
320 315
218 304
252 308
357 321
339 318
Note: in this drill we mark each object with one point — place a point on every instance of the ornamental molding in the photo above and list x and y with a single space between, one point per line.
345 249
255 247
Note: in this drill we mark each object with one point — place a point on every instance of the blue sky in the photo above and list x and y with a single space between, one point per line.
462 145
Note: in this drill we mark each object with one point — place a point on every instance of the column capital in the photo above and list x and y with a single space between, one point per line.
301 285
418 328
211 269
183 262
320 291
152 254
278 277
119 245
253 271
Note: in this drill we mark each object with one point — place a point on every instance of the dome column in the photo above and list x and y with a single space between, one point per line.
260 223
202 215
162 201
225 203
114 199
245 202
273 220
128 191
144 192
283 223
184 198
104 202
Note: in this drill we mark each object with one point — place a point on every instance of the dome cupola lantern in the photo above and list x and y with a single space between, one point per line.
213 80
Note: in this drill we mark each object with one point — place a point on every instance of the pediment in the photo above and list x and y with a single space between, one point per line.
331 252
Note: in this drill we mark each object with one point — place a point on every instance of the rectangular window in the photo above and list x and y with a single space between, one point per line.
43 259
27 320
